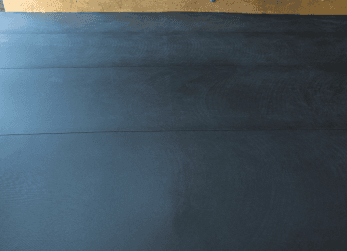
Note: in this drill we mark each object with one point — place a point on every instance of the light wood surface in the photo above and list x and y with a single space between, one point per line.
302 7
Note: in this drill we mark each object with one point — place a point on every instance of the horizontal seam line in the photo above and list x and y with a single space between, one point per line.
245 130
163 66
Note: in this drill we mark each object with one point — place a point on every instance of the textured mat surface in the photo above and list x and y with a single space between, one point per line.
174 132
172 98
265 190
164 49
53 23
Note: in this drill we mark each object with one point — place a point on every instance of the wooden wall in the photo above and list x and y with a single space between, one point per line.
303 7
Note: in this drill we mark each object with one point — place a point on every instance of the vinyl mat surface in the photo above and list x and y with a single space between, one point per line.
175 132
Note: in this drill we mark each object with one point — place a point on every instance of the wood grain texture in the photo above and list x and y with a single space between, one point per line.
53 23
279 190
303 7
168 49
172 98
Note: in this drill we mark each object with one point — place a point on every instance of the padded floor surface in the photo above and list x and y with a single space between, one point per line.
158 132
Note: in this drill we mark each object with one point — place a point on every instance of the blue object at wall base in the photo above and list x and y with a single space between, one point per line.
2 7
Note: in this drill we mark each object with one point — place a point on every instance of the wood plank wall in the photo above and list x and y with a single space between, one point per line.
302 7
